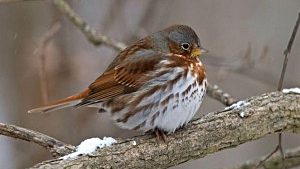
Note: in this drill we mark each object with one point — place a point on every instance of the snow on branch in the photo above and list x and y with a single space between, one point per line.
88 146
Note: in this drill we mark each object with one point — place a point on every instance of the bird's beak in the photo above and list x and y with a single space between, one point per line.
197 51
204 50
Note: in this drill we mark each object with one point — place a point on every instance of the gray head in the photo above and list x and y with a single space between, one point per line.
178 39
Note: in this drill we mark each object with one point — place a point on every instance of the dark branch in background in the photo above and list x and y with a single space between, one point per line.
41 52
287 52
56 147
292 159
259 116
280 86
97 39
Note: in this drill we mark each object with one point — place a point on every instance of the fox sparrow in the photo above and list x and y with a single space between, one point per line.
156 84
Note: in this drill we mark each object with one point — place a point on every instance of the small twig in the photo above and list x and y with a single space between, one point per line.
215 92
292 159
89 32
41 52
279 88
280 148
287 51
271 154
56 147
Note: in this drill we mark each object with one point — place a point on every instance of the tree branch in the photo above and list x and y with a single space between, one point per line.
218 94
56 147
249 120
41 52
292 159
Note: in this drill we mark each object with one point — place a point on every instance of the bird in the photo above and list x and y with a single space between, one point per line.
157 84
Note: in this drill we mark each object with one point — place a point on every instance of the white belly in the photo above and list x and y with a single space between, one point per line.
181 110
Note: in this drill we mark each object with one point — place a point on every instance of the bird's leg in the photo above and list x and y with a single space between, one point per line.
161 136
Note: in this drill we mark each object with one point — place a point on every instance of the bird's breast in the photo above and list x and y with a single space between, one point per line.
167 101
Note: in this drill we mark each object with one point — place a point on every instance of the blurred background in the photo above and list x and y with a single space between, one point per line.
41 50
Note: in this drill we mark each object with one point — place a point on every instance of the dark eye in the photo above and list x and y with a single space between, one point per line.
185 46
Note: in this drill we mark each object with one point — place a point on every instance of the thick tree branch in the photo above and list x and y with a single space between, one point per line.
250 120
56 147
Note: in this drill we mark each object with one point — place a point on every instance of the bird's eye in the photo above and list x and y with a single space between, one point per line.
185 46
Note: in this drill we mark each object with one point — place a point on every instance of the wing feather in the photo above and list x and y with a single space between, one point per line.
124 78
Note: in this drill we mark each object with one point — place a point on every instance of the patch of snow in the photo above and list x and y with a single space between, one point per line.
242 114
90 145
292 90
134 143
237 105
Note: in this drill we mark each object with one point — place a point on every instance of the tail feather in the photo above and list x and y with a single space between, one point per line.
50 108
63 103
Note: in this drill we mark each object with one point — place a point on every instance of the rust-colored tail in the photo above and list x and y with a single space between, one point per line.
63 103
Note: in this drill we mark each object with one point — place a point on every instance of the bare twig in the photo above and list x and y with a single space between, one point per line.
263 161
259 116
89 32
287 51
279 88
292 160
280 148
56 147
41 52
215 92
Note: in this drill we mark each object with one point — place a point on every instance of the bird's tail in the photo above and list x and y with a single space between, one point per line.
63 103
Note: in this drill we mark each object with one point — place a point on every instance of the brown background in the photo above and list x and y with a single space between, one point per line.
245 38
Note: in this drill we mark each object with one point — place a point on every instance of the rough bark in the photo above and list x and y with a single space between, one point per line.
259 116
